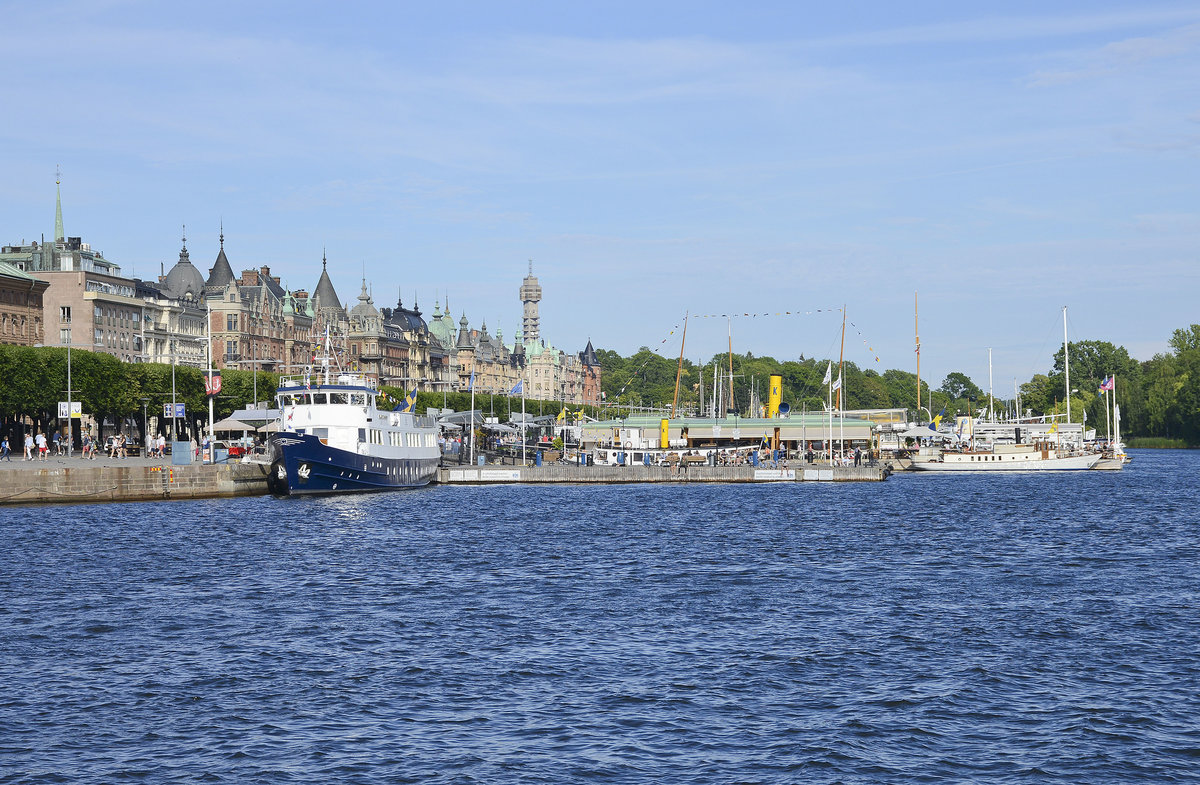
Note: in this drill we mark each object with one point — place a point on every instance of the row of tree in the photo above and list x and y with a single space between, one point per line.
1159 397
119 395
116 394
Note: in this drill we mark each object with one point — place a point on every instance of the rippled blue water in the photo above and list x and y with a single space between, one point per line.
1015 628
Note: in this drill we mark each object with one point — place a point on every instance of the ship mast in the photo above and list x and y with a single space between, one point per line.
917 335
1067 364
842 358
679 370
729 325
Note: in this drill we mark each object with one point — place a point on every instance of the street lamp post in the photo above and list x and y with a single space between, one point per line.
70 429
145 427
174 423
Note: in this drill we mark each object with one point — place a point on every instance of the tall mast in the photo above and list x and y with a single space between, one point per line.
679 370
842 358
917 335
1067 364
729 325
991 410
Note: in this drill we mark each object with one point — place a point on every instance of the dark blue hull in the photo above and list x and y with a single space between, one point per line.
302 465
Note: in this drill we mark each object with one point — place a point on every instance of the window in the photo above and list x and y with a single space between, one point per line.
64 314
231 322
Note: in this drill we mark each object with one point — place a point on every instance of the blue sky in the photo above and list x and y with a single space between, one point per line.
651 158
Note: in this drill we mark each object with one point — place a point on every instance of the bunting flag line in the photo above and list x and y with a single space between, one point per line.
870 348
763 314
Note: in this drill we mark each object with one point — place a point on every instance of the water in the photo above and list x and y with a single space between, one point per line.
931 628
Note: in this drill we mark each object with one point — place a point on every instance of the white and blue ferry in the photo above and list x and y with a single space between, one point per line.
333 438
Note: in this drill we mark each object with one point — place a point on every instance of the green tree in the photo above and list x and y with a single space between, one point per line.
959 386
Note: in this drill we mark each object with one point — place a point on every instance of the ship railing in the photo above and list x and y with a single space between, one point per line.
316 379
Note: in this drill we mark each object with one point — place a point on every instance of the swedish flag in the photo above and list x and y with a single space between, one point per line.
410 402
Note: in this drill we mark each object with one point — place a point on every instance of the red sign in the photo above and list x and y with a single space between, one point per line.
212 383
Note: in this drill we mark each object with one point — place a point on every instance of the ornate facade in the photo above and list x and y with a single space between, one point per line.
60 292
21 309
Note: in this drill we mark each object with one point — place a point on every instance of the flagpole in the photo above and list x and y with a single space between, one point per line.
1116 420
524 429
841 422
1107 423
829 408
212 454
472 431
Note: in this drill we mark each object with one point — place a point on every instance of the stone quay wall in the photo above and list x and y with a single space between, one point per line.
107 483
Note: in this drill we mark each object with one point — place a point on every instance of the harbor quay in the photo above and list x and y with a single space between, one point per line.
611 475
75 480
63 480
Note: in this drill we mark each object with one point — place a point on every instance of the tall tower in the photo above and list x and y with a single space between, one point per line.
531 295
59 234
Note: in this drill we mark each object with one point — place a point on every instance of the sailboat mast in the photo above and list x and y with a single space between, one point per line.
729 325
991 403
917 335
842 358
1067 363
679 370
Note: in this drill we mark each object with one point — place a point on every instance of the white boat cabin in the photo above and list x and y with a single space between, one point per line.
344 415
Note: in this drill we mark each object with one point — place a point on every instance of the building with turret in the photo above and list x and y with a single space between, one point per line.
256 323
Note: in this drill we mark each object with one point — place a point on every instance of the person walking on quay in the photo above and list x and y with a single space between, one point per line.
41 445
29 447
56 443
4 451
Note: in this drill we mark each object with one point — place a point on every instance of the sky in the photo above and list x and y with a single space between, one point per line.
998 161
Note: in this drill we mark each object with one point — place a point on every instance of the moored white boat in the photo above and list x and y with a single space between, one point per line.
1039 457
333 438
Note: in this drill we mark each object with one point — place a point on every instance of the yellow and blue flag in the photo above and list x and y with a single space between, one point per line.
410 402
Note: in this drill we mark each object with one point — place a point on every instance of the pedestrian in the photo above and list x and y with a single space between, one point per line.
56 443
29 447
857 456
41 445
4 451
162 446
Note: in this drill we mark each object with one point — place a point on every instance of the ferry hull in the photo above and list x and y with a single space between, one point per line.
1065 464
302 465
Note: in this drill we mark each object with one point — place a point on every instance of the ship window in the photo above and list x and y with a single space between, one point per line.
320 398
336 398
362 435
358 399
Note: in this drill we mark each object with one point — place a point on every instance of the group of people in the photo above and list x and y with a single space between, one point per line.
37 448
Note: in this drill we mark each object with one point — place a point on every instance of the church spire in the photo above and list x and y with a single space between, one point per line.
59 234
222 236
